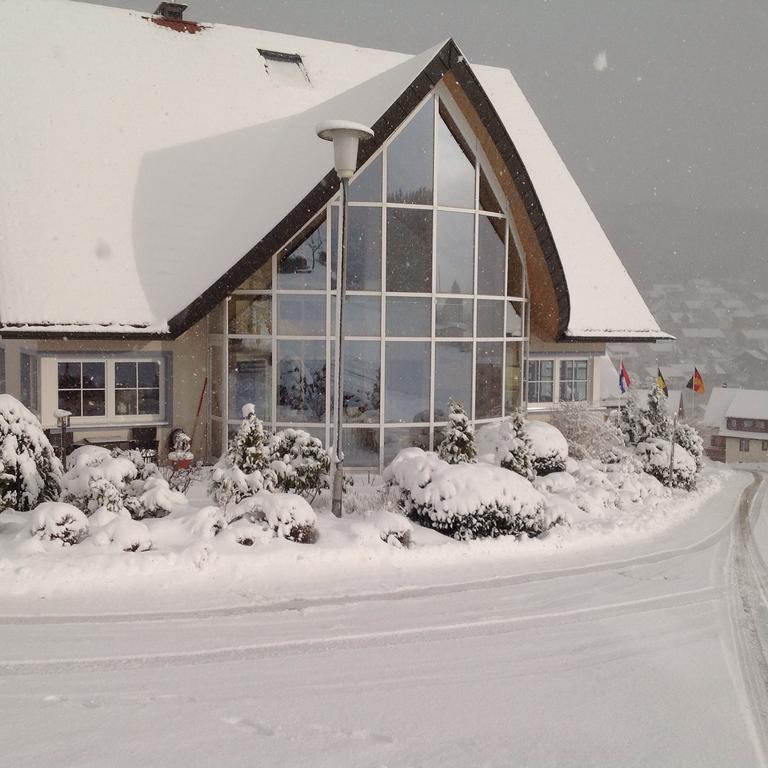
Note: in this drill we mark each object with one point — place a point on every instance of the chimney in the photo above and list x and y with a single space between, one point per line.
171 11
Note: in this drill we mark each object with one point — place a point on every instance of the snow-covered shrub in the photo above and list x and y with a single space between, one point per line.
466 501
550 448
458 445
122 482
56 521
508 443
287 514
655 456
181 444
689 438
299 462
630 419
393 528
245 468
659 423
30 473
122 532
588 434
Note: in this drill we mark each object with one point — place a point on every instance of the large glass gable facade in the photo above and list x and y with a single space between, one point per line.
436 305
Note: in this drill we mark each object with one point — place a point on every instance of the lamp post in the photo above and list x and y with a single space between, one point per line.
345 137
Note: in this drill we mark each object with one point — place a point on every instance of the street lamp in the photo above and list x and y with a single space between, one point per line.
345 137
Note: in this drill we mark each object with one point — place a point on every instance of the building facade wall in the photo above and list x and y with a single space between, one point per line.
755 454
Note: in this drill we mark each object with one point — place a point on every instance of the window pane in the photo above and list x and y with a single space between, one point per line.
69 400
125 402
488 380
361 448
305 266
490 319
490 256
301 381
488 201
301 315
217 379
149 401
125 375
397 439
409 160
366 188
409 317
250 377
250 315
407 381
362 316
514 270
93 402
409 250
362 381
455 166
149 374
364 249
453 376
260 280
514 326
455 252
93 376
512 378
69 376
453 317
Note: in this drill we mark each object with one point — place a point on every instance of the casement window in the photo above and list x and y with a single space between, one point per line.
111 390
553 381
30 382
743 444
765 445
2 371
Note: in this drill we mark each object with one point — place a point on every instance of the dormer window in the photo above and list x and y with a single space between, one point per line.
285 68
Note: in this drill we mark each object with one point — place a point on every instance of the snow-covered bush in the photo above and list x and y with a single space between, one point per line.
244 469
108 528
287 514
56 521
122 482
689 438
181 444
458 445
630 419
30 473
588 434
659 422
655 456
466 501
393 528
507 442
550 448
299 462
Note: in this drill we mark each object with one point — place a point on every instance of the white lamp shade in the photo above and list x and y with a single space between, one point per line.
345 136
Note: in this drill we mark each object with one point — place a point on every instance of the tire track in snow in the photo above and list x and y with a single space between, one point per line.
747 578
407 593
455 631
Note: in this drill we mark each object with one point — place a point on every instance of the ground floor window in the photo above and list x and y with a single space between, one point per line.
765 445
552 380
743 445
30 382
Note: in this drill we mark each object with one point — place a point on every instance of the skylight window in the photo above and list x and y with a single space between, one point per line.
285 68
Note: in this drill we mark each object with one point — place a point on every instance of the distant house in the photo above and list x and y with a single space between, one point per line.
739 418
170 232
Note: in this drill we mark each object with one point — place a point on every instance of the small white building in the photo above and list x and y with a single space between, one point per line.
740 420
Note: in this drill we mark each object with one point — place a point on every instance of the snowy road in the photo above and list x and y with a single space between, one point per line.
654 658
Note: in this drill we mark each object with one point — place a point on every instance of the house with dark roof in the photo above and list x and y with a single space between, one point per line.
170 234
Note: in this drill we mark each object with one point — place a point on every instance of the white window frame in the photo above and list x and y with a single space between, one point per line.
3 383
556 360
50 385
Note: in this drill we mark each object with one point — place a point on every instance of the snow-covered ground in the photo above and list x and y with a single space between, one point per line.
579 649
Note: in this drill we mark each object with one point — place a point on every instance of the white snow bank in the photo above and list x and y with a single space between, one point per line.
55 521
546 440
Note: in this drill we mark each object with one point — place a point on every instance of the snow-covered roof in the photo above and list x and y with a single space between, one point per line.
735 403
141 164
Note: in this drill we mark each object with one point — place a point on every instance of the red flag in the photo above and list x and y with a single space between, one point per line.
696 383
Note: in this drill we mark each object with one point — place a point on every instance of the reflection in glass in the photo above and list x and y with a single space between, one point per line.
490 319
540 381
362 316
490 256
512 376
305 266
453 376
453 318
404 437
514 326
515 278
366 187
455 166
250 377
299 315
217 380
250 315
574 379
409 160
301 381
488 200
260 280
455 252
488 379
361 448
407 381
409 250
362 381
364 249
408 316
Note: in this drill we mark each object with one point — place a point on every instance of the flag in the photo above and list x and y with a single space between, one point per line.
624 382
696 383
660 381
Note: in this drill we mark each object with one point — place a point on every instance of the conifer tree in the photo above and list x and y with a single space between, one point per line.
458 445
659 424
515 445
249 448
